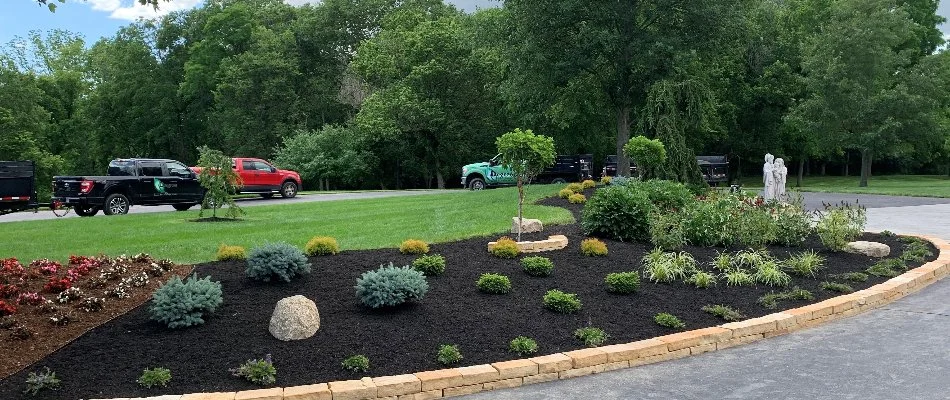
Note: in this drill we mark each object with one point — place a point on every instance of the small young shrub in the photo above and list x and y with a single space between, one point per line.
593 248
231 253
413 246
276 260
850 276
155 377
724 312
45 380
836 287
357 363
752 259
659 267
755 227
575 187
807 263
493 284
702 279
565 193
448 354
21 332
564 303
888 268
771 300
793 224
839 225
800 294
62 318
888 234
322 246
92 304
666 195
669 321
391 286
770 274
722 262
622 282
605 180
577 198
738 277
180 304
916 252
537 266
260 372
618 212
505 248
523 345
430 265
592 337
588 184
666 230
709 222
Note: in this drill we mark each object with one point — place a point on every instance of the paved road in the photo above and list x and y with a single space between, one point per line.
251 202
901 351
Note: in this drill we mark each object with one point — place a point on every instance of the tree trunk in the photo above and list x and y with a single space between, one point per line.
520 204
439 179
823 165
801 171
865 167
398 177
847 161
623 136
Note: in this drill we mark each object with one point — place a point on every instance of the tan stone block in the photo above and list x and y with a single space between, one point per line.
841 304
778 332
261 394
353 389
575 372
587 357
613 366
801 314
753 326
462 390
739 341
553 363
503 384
478 374
397 385
634 350
516 368
785 321
541 378
308 392
440 379
703 348
696 337
672 355
427 395
209 396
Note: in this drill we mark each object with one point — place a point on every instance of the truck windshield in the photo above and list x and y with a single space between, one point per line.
122 168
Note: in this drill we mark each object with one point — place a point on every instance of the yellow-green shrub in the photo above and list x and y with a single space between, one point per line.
322 246
577 198
505 247
231 253
565 193
413 246
605 180
593 248
589 184
575 187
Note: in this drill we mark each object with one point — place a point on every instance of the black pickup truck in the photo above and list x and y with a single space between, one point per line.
148 182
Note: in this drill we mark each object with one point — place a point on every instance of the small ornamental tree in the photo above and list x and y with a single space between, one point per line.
526 154
649 154
220 181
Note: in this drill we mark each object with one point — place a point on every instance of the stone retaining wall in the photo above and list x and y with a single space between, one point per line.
473 379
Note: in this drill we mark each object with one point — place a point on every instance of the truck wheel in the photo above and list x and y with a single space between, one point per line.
86 211
116 204
182 207
288 190
476 184
558 181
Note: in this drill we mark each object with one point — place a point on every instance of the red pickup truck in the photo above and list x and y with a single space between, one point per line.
262 178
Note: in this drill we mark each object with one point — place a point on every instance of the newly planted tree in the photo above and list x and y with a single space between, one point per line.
220 180
648 153
526 154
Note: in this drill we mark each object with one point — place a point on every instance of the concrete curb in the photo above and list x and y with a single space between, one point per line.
477 378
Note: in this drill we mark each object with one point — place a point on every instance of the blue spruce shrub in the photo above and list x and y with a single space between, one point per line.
276 260
179 304
391 286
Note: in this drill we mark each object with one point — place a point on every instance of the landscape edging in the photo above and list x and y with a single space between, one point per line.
506 374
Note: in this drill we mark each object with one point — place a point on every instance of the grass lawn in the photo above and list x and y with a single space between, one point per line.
357 224
895 185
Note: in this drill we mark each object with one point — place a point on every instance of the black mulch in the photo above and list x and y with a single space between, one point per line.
107 361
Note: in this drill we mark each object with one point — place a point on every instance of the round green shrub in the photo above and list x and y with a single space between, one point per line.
430 265
592 337
155 377
622 282
449 354
494 283
505 247
666 195
537 266
523 345
322 246
179 304
618 212
558 301
276 260
391 286
357 363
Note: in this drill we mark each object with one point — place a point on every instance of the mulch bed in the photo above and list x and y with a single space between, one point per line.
106 361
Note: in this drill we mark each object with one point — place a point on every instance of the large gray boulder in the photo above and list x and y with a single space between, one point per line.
294 318
527 225
871 249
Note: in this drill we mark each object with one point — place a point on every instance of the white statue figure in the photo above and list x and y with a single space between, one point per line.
768 177
781 176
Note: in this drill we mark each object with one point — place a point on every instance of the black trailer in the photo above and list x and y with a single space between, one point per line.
568 168
715 169
17 186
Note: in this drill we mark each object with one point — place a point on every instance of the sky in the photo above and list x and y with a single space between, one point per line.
101 18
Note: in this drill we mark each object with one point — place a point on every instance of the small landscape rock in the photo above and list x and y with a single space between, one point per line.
527 225
872 249
294 318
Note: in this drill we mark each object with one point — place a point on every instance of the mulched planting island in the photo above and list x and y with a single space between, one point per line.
107 361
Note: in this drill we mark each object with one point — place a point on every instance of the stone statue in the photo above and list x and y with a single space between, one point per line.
768 177
781 176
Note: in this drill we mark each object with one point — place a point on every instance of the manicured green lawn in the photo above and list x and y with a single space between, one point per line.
357 224
896 185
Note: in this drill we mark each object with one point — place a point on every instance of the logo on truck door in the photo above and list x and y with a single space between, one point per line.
159 186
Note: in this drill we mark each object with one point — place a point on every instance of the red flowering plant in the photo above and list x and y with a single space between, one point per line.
7 308
11 271
31 298
56 285
46 266
83 265
8 291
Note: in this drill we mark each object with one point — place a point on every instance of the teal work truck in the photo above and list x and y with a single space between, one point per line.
566 168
